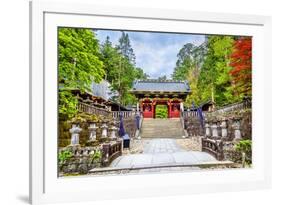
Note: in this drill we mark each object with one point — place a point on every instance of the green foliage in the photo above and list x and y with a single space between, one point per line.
85 117
67 104
245 146
64 156
164 77
96 156
125 48
79 65
214 81
161 111
193 83
119 64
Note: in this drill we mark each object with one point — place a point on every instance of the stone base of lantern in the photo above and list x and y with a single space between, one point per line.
92 143
74 145
103 139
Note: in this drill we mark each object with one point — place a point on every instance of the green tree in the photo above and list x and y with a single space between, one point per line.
119 64
79 66
193 83
140 74
164 77
125 47
184 62
214 79
188 66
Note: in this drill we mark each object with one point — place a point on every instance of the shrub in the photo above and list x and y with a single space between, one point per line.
64 156
161 111
96 156
245 146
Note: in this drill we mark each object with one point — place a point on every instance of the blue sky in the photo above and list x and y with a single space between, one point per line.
156 53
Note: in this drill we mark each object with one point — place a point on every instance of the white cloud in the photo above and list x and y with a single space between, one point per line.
156 53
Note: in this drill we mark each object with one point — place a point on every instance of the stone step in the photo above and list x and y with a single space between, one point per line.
162 128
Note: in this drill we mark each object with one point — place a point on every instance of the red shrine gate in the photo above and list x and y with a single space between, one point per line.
148 107
151 93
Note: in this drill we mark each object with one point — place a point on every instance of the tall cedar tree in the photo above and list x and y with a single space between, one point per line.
241 61
79 66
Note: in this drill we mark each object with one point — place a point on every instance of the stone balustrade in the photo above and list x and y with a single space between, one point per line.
225 129
83 159
111 151
125 114
83 107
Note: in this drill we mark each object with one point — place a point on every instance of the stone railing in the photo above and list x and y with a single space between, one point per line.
226 130
191 123
83 107
111 151
213 147
233 107
82 158
125 114
130 126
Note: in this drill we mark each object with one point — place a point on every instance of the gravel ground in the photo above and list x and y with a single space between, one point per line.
136 145
190 143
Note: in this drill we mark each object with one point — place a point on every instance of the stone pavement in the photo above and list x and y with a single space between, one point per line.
162 152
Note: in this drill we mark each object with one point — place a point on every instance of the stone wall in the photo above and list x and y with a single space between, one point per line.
81 161
193 127
65 136
242 117
230 128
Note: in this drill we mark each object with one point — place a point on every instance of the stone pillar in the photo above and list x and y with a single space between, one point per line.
214 128
93 133
181 107
75 130
104 128
138 107
113 130
236 127
223 129
207 129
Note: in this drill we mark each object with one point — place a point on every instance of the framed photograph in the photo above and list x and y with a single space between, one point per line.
129 102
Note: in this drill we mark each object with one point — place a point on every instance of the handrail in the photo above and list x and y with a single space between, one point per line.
233 107
111 152
213 147
83 107
125 114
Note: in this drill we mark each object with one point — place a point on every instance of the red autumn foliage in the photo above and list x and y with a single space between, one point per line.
241 61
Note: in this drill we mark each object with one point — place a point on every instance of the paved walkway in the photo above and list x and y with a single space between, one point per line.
162 152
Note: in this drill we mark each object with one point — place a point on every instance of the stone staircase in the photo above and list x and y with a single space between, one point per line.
161 128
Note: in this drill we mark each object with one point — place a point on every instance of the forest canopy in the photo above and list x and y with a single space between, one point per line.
84 60
218 70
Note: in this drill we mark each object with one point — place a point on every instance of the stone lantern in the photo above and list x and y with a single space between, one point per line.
113 130
93 131
236 126
75 130
207 129
214 129
223 128
104 129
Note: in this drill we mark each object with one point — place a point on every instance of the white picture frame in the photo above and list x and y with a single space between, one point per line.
46 187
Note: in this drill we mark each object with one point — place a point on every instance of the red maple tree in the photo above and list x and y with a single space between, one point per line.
241 61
